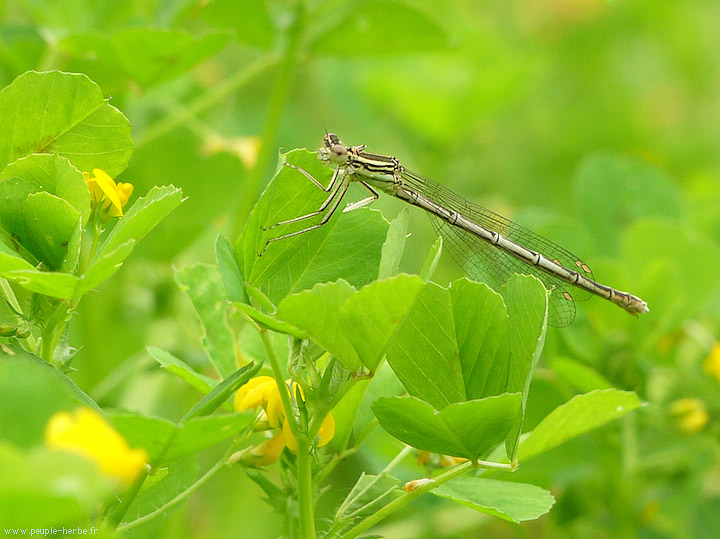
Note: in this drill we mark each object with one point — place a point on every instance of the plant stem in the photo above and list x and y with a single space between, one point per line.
305 489
117 515
304 458
184 494
282 388
54 328
397 503
278 99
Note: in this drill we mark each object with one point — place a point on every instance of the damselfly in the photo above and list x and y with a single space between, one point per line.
489 247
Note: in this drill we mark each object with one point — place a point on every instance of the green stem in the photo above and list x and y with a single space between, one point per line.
397 503
117 515
304 457
54 328
397 460
305 489
184 494
276 108
282 388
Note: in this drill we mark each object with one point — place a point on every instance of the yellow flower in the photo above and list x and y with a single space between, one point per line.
262 391
268 451
105 194
86 432
325 434
254 393
691 415
711 365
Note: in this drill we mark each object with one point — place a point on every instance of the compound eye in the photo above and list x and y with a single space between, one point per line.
338 153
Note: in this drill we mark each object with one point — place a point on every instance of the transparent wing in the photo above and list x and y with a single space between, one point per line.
484 262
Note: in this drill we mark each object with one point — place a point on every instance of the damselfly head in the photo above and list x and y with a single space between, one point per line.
332 149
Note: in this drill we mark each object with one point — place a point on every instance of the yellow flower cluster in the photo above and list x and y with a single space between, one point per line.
108 196
262 391
86 432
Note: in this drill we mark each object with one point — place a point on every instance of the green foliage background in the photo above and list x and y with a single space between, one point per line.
596 124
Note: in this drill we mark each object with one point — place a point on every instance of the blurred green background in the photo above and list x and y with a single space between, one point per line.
596 124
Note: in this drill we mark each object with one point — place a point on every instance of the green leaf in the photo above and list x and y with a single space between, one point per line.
142 217
317 313
255 295
142 56
40 221
203 285
424 354
269 321
449 345
381 28
50 223
347 247
249 19
164 441
167 361
468 429
527 304
231 276
369 494
577 416
371 317
582 377
52 173
58 284
432 260
74 247
102 268
55 284
222 392
394 245
63 113
516 502
154 434
169 482
481 332
201 432
345 412
274 495
10 260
